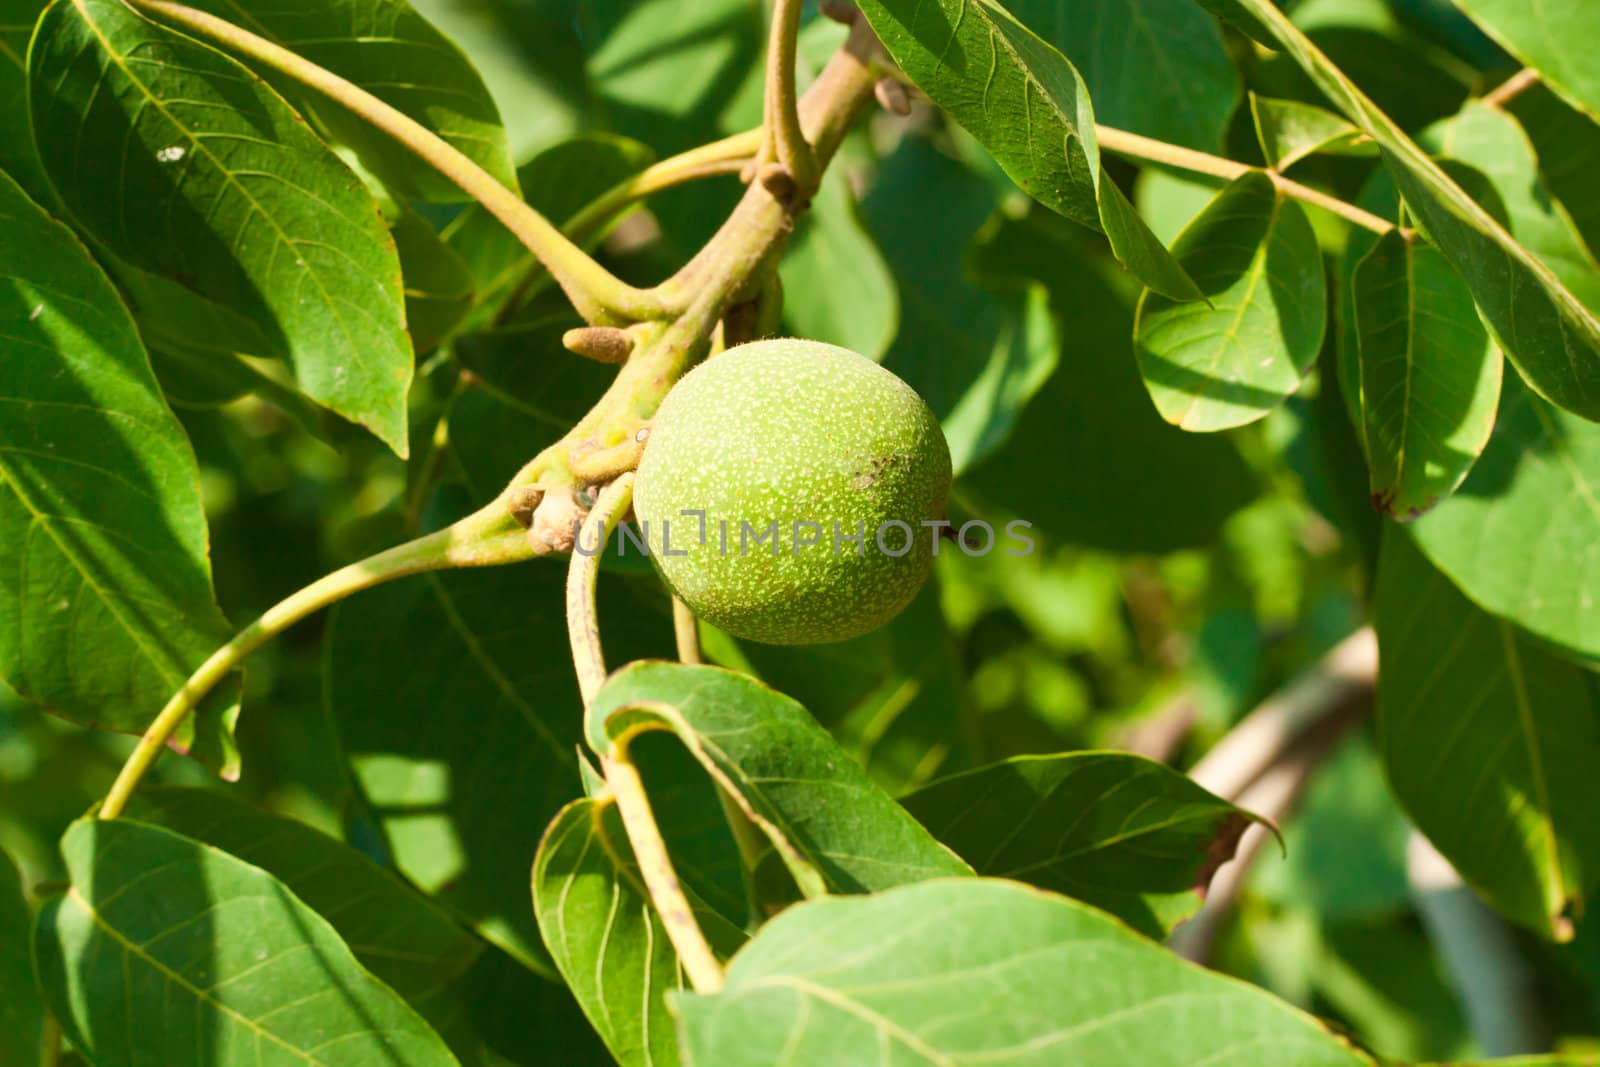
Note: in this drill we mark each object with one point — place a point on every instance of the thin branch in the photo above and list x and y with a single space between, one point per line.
582 630
727 156
1344 678
1265 763
660 879
597 294
1272 796
1512 88
488 537
1124 143
781 113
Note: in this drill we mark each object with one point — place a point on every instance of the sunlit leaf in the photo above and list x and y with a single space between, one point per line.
1091 462
164 946
833 828
220 187
604 934
1551 36
981 971
1489 742
388 49
1156 67
1290 131
1030 108
1519 537
1553 340
1216 365
1491 142
409 943
1430 376
105 581
1127 835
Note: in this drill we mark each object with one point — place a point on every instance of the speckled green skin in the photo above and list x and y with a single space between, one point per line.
792 430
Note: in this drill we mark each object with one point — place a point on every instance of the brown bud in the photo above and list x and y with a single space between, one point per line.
603 344
892 95
522 501
778 180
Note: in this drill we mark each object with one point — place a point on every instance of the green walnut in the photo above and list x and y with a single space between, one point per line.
791 492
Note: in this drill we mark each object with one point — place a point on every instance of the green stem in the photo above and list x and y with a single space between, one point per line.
1133 145
660 879
726 156
686 631
1512 87
50 1042
582 573
781 113
486 538
598 295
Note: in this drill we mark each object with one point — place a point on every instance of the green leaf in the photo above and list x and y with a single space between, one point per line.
894 698
105 601
1030 108
1430 376
605 935
17 156
407 942
1217 365
464 755
220 187
1518 537
1553 340
388 49
438 284
531 59
836 286
1290 131
193 378
164 946
1490 141
975 352
1133 482
1489 743
1551 36
527 391
833 827
1127 835
1156 67
21 1010
1567 143
981 971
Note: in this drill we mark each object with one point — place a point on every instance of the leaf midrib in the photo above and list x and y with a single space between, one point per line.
129 948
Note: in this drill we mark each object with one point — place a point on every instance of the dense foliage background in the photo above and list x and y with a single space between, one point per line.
1181 576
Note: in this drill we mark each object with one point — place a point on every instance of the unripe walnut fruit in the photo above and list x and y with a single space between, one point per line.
819 476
